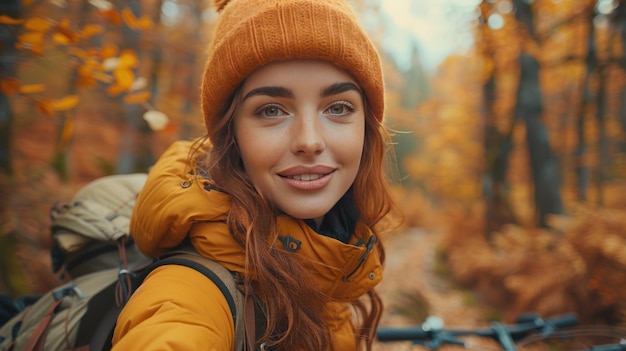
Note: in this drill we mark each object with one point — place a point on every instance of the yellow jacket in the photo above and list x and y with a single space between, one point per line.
177 308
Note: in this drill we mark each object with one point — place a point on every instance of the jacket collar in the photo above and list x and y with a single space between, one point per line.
175 204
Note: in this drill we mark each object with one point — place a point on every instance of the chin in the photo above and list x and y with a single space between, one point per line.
308 214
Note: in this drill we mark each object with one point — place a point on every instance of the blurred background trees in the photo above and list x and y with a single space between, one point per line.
511 150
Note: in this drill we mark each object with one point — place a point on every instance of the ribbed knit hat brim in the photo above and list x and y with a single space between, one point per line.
253 33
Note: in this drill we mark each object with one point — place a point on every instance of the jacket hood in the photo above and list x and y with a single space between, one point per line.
175 204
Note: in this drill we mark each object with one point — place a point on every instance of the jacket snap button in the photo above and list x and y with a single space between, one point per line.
372 276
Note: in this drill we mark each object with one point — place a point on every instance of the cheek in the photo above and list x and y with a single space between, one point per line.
257 150
349 145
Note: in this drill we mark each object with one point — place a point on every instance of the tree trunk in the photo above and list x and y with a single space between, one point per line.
544 164
498 148
11 279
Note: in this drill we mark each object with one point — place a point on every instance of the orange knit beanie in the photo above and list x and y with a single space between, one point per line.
254 33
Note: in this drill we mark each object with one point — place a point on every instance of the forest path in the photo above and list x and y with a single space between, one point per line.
410 268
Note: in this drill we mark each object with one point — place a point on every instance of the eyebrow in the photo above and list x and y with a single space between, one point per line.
272 91
339 88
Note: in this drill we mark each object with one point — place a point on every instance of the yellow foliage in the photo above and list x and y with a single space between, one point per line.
145 23
138 97
4 19
574 268
45 107
129 18
32 88
108 51
66 133
61 39
115 89
102 77
90 71
124 78
135 23
77 52
128 59
31 39
66 103
90 30
37 24
112 15
63 29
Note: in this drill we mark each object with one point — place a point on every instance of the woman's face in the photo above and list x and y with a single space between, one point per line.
300 128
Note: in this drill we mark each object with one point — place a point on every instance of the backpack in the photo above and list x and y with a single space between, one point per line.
93 246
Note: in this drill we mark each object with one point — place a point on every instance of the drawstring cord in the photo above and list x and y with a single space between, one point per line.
123 287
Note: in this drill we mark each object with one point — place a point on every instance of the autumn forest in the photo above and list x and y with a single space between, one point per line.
510 155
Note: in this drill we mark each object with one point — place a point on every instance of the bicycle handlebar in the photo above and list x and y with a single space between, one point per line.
615 347
434 335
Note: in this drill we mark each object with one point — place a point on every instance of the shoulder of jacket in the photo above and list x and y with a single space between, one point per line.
217 274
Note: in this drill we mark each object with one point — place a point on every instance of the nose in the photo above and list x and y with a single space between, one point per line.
307 134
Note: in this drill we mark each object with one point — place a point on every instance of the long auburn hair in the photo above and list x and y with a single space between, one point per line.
294 306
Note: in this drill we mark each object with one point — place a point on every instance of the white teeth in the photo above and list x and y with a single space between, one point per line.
306 177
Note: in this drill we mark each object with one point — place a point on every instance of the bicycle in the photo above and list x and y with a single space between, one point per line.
530 332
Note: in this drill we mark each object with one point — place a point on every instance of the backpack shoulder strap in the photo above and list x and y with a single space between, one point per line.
220 276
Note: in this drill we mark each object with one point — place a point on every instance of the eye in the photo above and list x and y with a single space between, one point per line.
340 108
270 111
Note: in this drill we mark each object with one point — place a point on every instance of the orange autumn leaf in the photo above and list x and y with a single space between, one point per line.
37 24
94 64
108 51
77 52
32 88
66 103
145 23
129 18
115 90
87 73
4 19
90 30
124 78
113 16
102 77
85 70
61 39
88 68
64 29
10 86
128 59
66 134
46 107
29 39
137 98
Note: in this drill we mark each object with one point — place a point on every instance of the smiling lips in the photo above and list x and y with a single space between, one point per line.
305 178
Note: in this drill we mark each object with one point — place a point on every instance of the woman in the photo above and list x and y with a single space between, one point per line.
290 194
